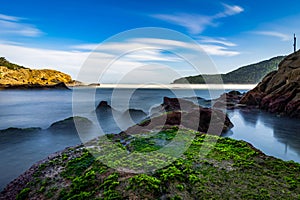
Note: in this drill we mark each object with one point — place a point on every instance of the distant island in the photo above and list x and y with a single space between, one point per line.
14 76
250 74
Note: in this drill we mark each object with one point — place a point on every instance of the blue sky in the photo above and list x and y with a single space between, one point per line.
61 34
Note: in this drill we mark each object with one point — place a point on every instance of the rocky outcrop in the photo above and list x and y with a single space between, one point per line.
135 115
77 174
70 125
180 112
31 78
229 100
279 91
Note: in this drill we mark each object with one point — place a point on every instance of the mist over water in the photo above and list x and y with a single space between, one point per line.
19 149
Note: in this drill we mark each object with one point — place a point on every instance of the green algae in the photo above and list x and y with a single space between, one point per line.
231 170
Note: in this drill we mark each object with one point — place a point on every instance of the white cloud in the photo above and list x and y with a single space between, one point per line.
9 18
216 50
195 23
89 47
117 59
217 41
11 25
210 49
279 35
139 45
68 62
229 10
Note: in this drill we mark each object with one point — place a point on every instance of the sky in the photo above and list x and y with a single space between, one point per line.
65 35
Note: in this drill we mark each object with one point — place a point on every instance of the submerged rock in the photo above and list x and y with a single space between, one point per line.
135 115
103 106
279 91
68 125
13 130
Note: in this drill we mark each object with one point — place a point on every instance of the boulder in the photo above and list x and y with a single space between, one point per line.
67 126
180 112
228 100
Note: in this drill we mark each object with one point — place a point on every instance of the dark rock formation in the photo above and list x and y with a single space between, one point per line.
94 84
184 113
279 91
103 105
228 100
134 114
35 86
13 130
68 125
107 117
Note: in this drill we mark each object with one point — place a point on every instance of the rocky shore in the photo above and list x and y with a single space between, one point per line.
76 174
58 86
279 91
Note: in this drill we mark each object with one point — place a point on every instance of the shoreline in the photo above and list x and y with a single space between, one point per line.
174 86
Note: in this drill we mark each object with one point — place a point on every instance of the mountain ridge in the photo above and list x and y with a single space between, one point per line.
248 74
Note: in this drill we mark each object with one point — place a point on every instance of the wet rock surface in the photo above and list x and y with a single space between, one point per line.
279 91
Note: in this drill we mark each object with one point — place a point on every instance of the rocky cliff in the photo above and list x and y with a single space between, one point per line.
25 76
279 91
15 75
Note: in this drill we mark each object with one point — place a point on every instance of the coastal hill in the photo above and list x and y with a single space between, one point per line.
250 74
13 75
279 91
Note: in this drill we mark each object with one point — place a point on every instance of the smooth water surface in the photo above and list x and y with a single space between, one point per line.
278 137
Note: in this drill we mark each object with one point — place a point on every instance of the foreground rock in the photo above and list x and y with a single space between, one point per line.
279 91
231 170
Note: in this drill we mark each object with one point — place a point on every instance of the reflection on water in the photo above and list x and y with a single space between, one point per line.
275 136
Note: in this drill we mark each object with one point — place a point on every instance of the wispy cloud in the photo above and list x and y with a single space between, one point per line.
9 18
142 56
39 58
196 23
216 47
279 35
229 10
221 41
11 25
88 47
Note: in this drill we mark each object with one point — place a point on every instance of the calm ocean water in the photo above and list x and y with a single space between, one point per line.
278 137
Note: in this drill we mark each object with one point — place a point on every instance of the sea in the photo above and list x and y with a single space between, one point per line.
20 148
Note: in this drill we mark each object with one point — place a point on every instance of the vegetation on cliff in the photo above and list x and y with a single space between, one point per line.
15 75
250 74
9 65
231 170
